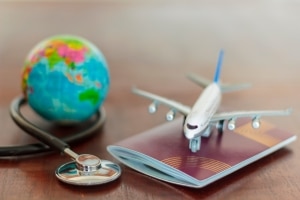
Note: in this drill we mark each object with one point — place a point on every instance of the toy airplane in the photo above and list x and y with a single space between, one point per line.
200 118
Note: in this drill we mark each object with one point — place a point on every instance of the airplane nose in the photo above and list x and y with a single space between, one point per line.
189 135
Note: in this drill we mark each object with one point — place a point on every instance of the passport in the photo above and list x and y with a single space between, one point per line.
163 151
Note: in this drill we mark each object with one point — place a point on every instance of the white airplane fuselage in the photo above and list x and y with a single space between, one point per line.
207 104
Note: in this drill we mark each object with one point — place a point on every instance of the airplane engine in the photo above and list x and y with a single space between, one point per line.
170 115
255 123
152 108
231 125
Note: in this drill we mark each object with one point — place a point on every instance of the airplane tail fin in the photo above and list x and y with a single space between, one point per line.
224 87
219 66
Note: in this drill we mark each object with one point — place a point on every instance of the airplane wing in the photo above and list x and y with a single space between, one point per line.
185 110
203 82
253 114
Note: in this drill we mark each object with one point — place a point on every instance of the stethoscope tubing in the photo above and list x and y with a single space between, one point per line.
47 138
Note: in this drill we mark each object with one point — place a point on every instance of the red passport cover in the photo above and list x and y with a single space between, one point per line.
163 152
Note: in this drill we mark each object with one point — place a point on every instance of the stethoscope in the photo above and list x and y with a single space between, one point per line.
85 169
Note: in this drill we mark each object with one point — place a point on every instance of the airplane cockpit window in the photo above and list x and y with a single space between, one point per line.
192 126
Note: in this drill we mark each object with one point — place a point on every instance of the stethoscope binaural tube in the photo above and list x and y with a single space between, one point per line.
86 169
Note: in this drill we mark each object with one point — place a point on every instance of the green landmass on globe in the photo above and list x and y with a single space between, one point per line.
65 79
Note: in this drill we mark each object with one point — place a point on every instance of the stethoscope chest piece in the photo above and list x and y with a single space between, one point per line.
88 170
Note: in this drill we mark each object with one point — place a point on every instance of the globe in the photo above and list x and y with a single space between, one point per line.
65 79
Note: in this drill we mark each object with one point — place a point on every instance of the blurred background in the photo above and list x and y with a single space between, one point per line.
261 40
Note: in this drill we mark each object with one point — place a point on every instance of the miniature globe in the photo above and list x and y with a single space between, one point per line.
65 79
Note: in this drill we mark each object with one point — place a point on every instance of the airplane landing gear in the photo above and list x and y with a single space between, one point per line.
195 144
220 126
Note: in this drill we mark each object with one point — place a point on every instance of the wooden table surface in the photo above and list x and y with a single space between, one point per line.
153 45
